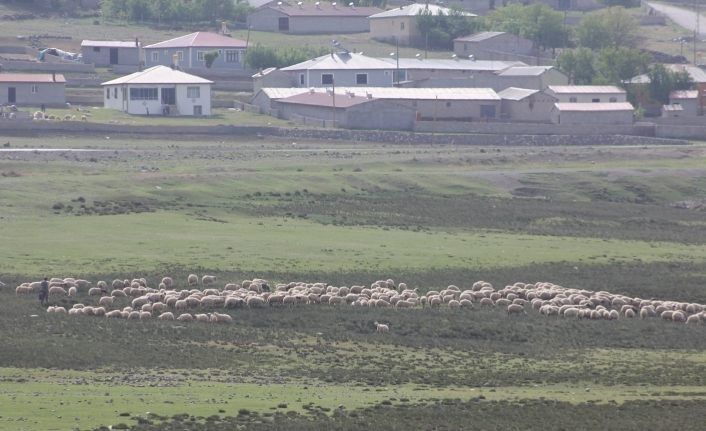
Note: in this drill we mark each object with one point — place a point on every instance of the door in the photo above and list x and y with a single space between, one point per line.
11 95
168 96
284 24
113 55
197 110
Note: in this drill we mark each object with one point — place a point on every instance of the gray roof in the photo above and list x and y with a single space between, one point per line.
158 75
585 89
594 107
110 43
452 64
514 93
395 93
674 107
340 61
479 37
526 71
414 10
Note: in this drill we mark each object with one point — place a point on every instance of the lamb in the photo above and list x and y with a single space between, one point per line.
381 327
193 279
208 279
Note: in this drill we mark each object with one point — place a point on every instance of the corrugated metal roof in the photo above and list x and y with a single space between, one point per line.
341 61
325 9
34 78
201 39
396 93
525 70
585 89
479 37
697 74
594 107
684 94
325 99
514 93
674 107
159 75
110 43
282 92
414 10
452 64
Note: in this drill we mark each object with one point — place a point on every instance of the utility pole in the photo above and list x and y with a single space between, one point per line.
333 94
696 29
397 55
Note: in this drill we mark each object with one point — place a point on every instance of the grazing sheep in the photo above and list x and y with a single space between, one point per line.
486 302
72 291
630 313
106 301
166 316
694 319
678 316
117 293
452 304
134 315
168 282
159 307
202 318
466 303
208 279
193 279
117 314
185 317
221 318
57 291
515 309
23 290
381 327
95 291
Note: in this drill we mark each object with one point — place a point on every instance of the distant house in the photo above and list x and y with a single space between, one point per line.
587 93
499 45
345 69
106 53
159 90
526 105
348 110
593 113
29 89
312 18
536 77
697 75
400 24
431 72
688 101
190 51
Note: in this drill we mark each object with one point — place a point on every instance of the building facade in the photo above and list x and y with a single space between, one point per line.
106 53
312 18
191 52
27 89
526 105
587 93
593 113
345 69
400 24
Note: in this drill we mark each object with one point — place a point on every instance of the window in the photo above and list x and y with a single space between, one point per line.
96 49
143 94
193 92
107 93
155 56
34 89
595 100
448 104
613 99
361 78
402 26
198 111
115 93
572 100
301 79
199 55
327 79
232 56
180 55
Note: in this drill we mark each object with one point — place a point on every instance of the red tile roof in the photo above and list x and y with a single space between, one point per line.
39 78
201 39
308 9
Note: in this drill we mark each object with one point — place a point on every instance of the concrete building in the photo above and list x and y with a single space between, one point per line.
593 113
498 45
191 50
535 77
159 90
587 93
106 53
673 110
28 89
312 18
400 24
419 72
349 111
526 105
688 100
345 69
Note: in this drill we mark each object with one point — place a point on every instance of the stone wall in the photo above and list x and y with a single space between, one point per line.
532 128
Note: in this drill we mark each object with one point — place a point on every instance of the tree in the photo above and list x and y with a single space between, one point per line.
538 23
623 3
617 65
210 57
663 81
439 30
612 27
577 64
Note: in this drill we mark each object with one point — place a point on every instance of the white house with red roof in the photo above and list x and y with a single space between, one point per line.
190 51
32 89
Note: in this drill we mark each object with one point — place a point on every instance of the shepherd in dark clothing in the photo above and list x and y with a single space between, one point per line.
44 292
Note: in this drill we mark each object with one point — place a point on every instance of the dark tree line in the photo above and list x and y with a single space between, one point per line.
176 11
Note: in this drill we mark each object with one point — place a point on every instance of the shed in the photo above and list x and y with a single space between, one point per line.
159 90
688 100
106 53
526 105
592 113
32 89
587 93
312 18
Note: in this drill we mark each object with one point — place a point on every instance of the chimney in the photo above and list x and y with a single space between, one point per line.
137 42
224 28
53 76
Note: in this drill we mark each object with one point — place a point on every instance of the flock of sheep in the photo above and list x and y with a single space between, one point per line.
134 300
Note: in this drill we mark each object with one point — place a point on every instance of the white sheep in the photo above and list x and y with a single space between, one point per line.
192 279
381 327
185 317
208 279
166 316
202 318
106 301
168 282
221 318
95 291
515 309
57 291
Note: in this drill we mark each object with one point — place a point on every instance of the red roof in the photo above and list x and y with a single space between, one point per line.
32 77
201 39
308 9
325 100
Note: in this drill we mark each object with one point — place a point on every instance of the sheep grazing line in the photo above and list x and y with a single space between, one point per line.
140 302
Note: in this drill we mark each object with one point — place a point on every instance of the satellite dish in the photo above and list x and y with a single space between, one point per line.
471 57
350 4
453 56
392 54
417 55
333 4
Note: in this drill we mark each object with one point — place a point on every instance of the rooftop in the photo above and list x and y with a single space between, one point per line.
324 9
111 43
326 99
594 107
697 74
396 93
34 78
514 93
452 64
526 71
414 10
684 94
585 89
674 107
341 60
479 37
201 39
159 75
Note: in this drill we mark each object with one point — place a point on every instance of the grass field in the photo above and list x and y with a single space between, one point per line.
601 218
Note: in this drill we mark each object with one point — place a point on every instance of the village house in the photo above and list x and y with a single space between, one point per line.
683 103
312 18
106 53
499 45
191 51
399 25
526 105
535 77
583 113
421 72
587 93
697 75
346 69
159 90
30 89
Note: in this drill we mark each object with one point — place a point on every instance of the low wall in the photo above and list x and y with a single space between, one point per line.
29 128
532 128
47 67
677 131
